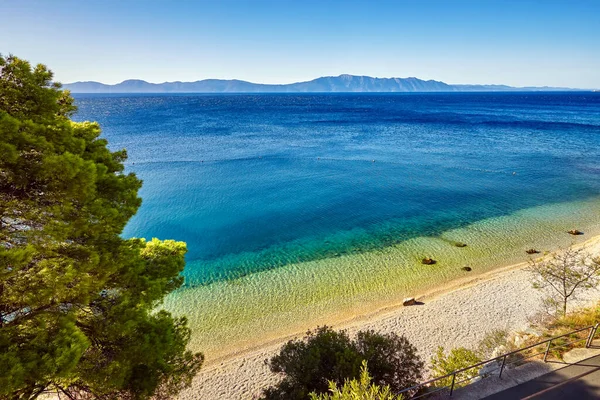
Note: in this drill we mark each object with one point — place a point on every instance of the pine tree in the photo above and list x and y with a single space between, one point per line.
78 302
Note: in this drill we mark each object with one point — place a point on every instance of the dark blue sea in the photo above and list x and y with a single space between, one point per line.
258 182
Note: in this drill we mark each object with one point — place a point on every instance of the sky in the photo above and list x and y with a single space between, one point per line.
513 42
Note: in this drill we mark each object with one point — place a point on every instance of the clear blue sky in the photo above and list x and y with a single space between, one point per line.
520 42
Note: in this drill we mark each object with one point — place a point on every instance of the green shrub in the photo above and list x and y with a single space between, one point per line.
326 356
392 359
442 364
361 389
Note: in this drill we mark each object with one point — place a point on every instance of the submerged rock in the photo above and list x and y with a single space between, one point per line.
531 251
428 261
460 244
468 269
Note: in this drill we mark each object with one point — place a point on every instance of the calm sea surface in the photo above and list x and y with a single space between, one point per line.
257 182
304 210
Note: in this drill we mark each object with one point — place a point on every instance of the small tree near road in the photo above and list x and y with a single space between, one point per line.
564 275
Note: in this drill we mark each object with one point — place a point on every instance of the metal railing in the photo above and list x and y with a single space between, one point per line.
502 360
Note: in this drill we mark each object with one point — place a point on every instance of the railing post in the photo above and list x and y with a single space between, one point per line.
547 349
452 385
590 338
502 367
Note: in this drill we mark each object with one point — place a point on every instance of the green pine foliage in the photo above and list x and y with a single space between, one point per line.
357 389
324 356
77 302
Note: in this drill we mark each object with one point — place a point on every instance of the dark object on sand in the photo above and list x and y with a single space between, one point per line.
410 301
531 251
468 269
428 261
460 244
575 232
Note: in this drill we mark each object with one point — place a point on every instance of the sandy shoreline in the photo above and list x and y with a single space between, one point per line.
457 314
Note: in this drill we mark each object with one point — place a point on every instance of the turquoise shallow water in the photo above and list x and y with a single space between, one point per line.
336 185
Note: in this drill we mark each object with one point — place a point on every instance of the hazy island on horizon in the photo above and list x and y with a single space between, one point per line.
328 84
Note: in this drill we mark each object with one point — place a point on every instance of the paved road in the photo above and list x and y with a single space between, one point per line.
577 381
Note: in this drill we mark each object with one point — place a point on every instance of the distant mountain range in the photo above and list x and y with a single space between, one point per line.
328 84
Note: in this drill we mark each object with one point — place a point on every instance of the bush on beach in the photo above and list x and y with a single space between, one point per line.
325 356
